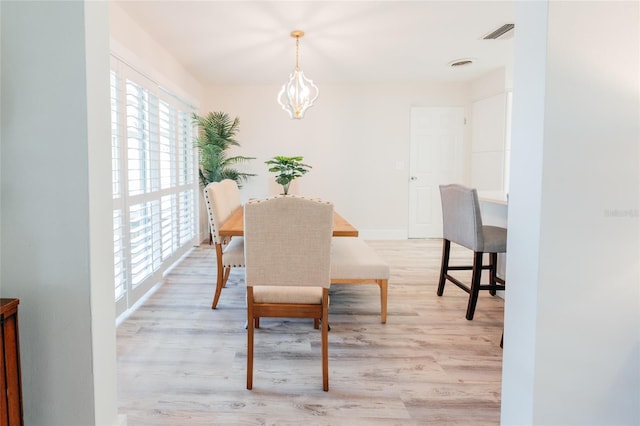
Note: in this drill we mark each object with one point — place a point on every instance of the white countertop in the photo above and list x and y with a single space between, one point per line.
495 197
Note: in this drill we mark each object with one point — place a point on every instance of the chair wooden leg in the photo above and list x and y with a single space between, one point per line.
383 299
220 276
444 268
316 323
493 262
227 271
321 316
250 320
325 339
475 284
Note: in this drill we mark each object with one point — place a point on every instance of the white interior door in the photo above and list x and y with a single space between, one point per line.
436 158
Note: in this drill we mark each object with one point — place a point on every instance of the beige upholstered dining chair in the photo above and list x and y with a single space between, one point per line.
288 252
462 225
232 194
222 198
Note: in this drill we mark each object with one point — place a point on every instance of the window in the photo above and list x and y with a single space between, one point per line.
153 181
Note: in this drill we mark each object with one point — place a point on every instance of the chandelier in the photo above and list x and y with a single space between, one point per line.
299 92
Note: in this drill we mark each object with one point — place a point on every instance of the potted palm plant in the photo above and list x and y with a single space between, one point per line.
216 134
288 169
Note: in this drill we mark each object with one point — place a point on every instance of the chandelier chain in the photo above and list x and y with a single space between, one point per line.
297 49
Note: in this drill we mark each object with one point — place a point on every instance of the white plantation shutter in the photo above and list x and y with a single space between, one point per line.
119 260
154 182
167 146
185 215
143 248
186 159
117 131
142 140
116 136
169 225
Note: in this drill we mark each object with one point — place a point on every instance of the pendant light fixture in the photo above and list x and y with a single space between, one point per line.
299 92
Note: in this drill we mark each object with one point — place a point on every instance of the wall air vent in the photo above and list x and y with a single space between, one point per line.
504 32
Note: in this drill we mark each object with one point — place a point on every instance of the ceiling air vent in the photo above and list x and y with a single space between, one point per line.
505 31
460 62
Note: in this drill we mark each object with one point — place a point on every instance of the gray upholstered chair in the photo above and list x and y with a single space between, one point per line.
222 198
288 266
462 225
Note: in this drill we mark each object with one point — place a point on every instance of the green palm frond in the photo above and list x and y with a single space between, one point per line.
216 134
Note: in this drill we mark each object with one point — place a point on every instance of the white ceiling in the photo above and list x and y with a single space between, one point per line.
345 42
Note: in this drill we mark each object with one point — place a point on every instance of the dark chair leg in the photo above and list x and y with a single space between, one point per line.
475 284
444 268
493 263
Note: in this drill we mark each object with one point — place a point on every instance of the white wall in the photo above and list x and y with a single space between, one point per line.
490 84
55 231
132 43
0 151
356 138
103 336
488 143
572 315
490 130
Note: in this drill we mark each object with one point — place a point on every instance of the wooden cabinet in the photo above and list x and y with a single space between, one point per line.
10 379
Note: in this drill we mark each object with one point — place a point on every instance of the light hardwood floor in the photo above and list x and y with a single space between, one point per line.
181 363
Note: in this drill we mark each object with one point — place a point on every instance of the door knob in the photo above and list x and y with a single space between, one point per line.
414 178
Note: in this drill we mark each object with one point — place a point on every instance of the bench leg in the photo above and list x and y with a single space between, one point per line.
383 299
382 283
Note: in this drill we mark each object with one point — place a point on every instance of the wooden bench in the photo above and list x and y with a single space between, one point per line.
353 261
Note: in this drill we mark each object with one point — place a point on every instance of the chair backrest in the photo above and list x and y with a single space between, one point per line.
461 219
220 205
287 241
232 193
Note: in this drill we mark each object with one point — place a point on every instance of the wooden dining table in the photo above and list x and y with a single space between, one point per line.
234 226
